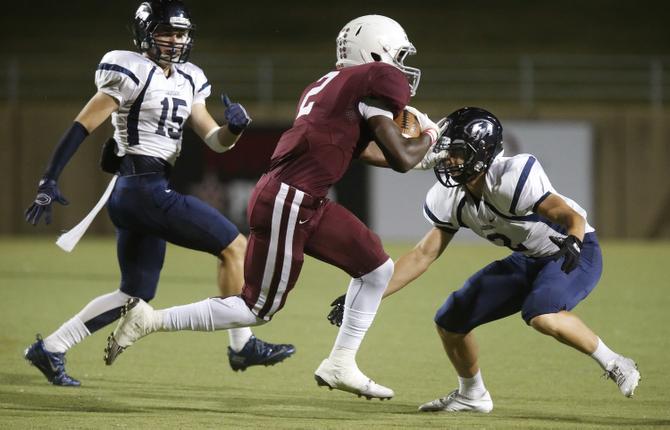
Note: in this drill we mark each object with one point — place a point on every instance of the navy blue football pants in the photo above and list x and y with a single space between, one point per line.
147 214
534 286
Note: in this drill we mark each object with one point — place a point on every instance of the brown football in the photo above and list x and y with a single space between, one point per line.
408 124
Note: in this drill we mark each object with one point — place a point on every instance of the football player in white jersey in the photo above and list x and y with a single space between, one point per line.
555 264
151 95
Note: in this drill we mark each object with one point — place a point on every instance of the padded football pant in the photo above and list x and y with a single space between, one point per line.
534 286
287 223
147 214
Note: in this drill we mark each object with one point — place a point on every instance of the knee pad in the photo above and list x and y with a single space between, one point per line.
381 275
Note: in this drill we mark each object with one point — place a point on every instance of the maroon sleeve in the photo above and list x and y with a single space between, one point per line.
388 83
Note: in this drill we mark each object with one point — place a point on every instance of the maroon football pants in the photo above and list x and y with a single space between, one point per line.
287 223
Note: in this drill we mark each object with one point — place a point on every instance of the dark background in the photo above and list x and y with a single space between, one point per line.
604 62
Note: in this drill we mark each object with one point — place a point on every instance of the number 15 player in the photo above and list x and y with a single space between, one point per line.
346 114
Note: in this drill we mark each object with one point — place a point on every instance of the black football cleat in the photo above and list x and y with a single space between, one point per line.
257 352
51 364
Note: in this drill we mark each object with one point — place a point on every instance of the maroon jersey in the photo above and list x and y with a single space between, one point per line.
329 131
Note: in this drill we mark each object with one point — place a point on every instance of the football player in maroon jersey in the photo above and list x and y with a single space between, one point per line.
347 113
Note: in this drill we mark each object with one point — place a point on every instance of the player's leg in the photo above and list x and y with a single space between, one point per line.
494 292
140 259
230 278
234 311
189 222
547 309
48 355
245 349
343 240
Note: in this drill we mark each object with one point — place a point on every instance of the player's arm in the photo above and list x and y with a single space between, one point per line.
408 268
413 264
373 155
97 110
400 153
557 210
219 139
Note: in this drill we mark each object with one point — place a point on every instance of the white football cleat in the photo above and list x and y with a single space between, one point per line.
350 379
455 402
138 319
623 371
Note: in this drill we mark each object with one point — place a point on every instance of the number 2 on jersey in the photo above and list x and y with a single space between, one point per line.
174 134
306 106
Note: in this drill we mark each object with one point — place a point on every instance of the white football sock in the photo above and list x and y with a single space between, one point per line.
68 335
239 337
102 304
74 330
210 314
360 307
603 355
472 388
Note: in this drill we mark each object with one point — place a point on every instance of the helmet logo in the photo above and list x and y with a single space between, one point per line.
143 12
479 129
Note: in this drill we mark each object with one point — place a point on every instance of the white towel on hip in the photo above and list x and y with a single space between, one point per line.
67 241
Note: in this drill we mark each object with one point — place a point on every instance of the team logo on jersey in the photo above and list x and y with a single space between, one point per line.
479 129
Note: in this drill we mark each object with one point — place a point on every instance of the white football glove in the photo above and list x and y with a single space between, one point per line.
426 124
431 159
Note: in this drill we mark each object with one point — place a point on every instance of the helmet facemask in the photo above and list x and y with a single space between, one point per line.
154 19
413 74
465 171
170 51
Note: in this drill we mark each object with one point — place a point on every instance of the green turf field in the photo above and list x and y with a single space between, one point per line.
182 380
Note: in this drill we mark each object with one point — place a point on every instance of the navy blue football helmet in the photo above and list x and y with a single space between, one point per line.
474 135
159 17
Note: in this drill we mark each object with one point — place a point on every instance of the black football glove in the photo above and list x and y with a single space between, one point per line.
570 248
337 312
237 117
47 193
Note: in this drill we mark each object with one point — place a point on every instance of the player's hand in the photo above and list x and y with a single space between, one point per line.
570 248
337 312
432 158
47 193
435 154
236 116
427 125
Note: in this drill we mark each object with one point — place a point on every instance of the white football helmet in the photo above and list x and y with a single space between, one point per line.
372 38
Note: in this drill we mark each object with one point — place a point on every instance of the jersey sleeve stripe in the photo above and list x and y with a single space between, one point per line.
205 85
519 185
439 223
120 69
134 113
541 199
188 78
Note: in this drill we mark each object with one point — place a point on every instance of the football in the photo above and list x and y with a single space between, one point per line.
408 124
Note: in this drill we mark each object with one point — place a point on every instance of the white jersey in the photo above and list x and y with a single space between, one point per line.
153 108
506 215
